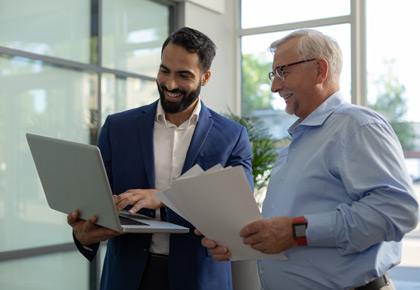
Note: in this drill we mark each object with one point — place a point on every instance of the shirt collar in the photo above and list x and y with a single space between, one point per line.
192 120
318 117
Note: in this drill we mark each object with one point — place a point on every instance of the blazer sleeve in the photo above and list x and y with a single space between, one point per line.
88 252
242 155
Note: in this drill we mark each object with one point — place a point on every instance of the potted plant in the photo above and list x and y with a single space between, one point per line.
264 151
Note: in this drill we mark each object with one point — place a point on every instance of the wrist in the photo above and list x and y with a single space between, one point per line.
299 226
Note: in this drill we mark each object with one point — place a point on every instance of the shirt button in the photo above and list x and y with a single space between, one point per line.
261 272
282 177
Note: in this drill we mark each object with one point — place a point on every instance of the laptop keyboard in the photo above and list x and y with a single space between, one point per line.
130 222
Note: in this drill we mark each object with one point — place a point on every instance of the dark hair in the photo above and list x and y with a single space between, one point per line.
194 42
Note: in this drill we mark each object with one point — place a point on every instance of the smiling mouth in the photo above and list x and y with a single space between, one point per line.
174 95
287 96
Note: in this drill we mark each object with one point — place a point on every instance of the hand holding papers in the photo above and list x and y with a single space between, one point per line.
219 203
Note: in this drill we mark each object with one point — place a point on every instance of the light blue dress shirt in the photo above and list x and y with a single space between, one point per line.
345 172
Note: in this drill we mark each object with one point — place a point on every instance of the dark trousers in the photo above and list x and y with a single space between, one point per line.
155 276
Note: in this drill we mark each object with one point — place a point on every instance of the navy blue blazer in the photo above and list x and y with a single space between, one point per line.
126 144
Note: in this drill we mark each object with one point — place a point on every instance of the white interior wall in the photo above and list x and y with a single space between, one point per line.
221 92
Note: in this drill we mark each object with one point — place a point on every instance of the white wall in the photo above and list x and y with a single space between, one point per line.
221 92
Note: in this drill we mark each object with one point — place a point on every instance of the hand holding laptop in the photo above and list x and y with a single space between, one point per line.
87 232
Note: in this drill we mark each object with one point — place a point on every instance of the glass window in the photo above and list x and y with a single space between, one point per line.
64 271
392 85
133 34
257 98
269 12
393 90
39 95
47 27
46 100
119 94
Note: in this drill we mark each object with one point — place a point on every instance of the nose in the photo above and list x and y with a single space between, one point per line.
276 84
171 82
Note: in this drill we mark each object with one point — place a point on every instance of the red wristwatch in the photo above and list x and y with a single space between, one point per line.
299 230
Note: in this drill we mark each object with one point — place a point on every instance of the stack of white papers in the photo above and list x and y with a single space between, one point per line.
219 203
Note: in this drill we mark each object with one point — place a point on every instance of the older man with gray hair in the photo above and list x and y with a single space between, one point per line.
339 199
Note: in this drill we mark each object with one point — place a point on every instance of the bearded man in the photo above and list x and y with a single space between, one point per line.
143 150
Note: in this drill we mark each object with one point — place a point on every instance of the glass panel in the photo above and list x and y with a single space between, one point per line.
45 100
119 94
273 12
133 34
393 90
47 27
257 98
102 253
64 271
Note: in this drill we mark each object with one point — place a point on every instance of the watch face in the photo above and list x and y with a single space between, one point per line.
300 230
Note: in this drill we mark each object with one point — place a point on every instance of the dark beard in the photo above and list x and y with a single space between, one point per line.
186 101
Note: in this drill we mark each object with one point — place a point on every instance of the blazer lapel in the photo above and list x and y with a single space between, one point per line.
145 125
202 129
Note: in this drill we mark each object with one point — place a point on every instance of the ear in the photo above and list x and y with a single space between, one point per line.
206 77
322 70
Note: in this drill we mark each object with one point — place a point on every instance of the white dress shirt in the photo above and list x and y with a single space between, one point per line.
170 145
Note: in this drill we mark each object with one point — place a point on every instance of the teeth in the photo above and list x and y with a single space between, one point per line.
287 96
173 95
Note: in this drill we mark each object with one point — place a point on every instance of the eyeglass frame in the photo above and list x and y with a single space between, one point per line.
278 71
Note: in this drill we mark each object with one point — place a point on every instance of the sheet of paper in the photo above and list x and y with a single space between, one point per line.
173 204
219 203
161 195
193 171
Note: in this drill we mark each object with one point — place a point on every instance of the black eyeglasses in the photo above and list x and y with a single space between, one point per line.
278 71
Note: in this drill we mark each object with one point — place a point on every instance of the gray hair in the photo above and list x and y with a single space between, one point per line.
314 44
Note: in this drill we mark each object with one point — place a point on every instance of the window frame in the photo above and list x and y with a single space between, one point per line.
357 21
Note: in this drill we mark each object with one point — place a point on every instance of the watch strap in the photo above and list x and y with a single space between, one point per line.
300 221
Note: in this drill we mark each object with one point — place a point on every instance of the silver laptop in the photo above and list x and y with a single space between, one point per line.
74 178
